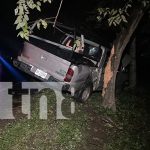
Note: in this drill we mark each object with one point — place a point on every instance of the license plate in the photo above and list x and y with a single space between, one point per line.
41 73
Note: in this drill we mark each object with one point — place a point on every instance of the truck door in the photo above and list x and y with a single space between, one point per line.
97 71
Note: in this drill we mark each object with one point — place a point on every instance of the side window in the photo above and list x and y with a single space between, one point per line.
92 52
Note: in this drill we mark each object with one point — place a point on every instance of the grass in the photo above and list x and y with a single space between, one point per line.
131 118
46 134
91 127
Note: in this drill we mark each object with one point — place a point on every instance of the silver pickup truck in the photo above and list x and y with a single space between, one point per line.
79 70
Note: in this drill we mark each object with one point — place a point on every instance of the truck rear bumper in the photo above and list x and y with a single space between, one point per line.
27 69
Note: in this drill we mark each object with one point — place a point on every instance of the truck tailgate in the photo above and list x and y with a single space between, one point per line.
45 61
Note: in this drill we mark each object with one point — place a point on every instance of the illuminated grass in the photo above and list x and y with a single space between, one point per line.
90 128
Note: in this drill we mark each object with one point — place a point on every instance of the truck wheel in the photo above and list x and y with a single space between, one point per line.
83 95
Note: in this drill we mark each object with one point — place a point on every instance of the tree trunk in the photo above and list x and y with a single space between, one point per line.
132 73
112 66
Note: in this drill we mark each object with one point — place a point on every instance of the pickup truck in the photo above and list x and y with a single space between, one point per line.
50 61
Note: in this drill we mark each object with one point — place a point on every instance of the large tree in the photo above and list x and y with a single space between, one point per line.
112 66
132 19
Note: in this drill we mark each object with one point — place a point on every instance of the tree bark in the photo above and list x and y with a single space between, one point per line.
132 73
112 66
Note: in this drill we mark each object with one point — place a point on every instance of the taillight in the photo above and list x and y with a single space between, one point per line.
69 75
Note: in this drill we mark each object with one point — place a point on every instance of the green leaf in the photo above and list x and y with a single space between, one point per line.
26 37
44 23
99 18
114 23
144 3
39 3
26 17
120 11
16 11
49 1
114 12
44 1
129 5
118 19
22 24
100 10
38 8
21 34
38 25
21 10
105 14
16 21
31 4
25 7
110 21
124 18
19 19
34 6
18 26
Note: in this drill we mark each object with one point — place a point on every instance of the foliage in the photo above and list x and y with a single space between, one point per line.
22 12
116 16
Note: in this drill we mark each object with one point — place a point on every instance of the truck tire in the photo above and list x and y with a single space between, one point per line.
83 95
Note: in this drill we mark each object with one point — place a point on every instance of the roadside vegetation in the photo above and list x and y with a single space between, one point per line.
91 127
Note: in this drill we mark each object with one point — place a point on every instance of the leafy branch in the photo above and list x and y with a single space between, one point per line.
115 16
119 15
22 12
